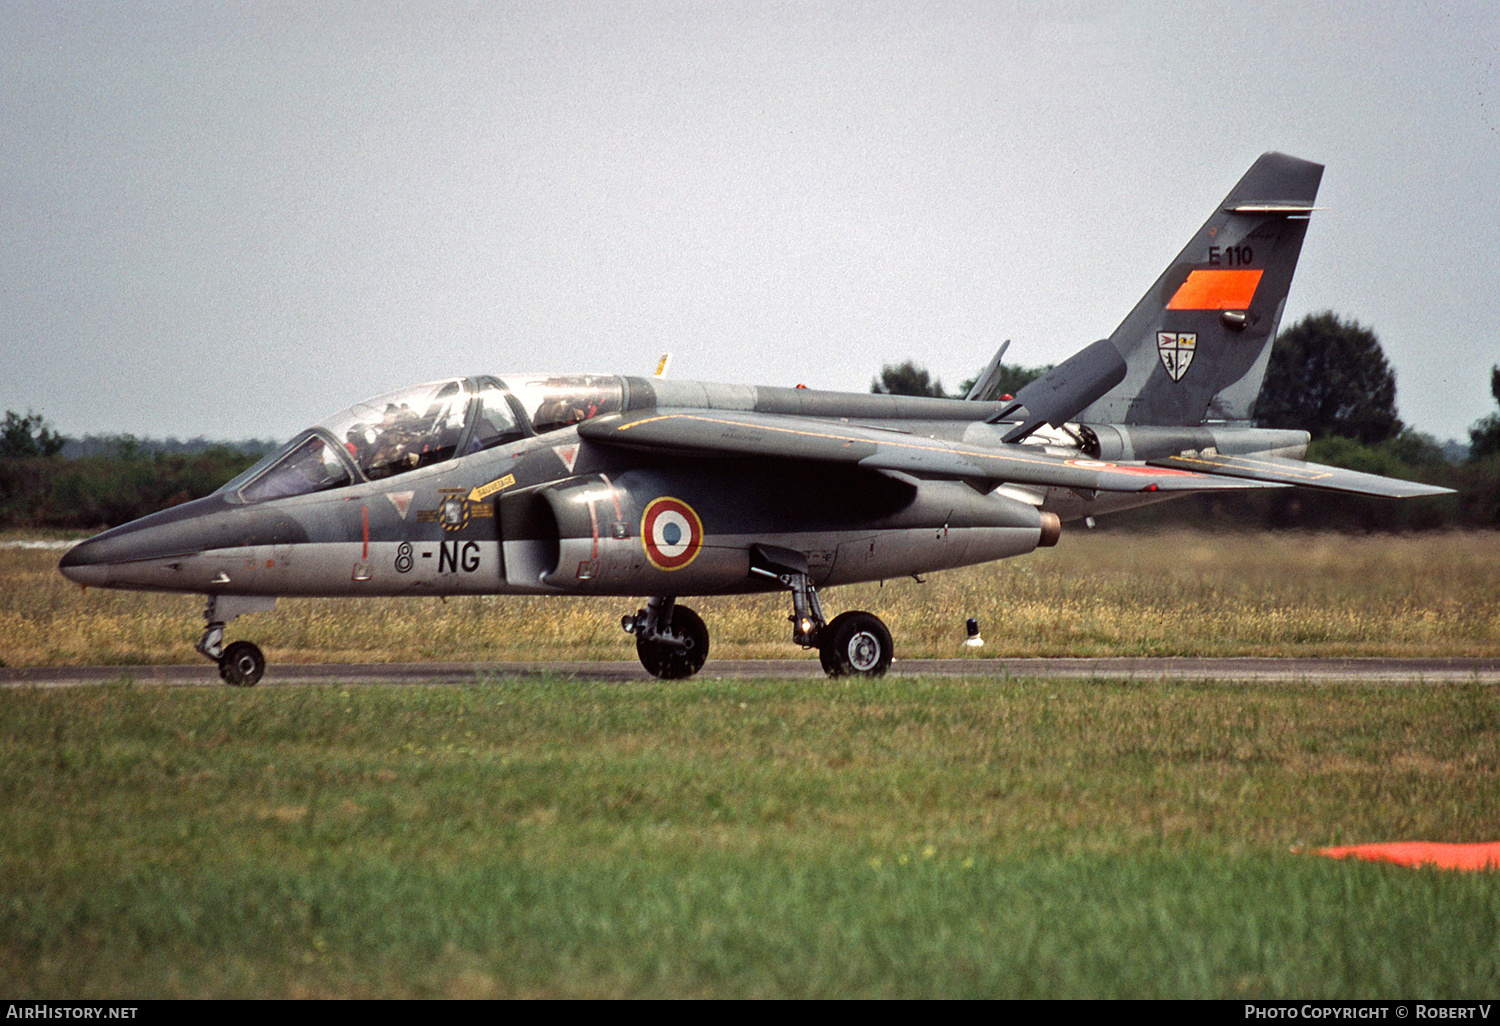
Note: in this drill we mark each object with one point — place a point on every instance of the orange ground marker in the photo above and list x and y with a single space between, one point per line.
1423 853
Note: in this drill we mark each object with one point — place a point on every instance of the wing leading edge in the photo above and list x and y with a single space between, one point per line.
746 433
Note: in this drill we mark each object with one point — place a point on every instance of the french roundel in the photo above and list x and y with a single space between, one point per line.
671 533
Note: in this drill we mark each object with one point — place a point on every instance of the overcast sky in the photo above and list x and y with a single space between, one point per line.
233 219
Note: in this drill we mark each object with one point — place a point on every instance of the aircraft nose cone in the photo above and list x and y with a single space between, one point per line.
131 555
86 563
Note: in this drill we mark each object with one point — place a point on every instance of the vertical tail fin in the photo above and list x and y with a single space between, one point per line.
1197 344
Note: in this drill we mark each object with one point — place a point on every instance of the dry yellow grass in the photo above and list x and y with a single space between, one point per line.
1097 593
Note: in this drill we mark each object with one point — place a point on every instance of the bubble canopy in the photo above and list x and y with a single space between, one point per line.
419 426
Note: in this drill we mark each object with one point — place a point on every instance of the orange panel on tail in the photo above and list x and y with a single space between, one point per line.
1216 290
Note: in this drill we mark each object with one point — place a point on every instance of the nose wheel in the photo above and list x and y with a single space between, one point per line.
241 664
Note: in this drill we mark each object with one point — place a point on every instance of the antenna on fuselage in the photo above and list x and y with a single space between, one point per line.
662 362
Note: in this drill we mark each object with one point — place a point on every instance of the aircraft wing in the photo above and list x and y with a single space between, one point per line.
1297 472
746 433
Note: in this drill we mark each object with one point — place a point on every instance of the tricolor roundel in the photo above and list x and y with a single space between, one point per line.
671 533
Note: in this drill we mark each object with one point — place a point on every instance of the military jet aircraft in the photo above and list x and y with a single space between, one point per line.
588 484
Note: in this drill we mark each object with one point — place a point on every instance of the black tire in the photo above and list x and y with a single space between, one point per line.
855 643
241 665
669 663
826 654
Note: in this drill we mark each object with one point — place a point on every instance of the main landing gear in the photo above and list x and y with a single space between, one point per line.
241 664
851 643
672 641
855 643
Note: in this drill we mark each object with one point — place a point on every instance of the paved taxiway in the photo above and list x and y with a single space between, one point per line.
1369 671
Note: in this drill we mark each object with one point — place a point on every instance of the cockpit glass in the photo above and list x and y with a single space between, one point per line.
403 430
556 401
494 420
418 427
310 466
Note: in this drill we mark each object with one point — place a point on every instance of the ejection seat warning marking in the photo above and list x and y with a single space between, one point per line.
454 511
485 491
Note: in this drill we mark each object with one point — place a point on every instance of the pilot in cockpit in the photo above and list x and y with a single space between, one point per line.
559 411
389 447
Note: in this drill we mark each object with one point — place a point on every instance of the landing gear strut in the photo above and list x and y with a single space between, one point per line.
241 664
852 643
671 640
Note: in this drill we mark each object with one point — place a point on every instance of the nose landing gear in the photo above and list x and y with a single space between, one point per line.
241 664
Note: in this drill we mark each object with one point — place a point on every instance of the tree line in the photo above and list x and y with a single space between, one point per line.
48 481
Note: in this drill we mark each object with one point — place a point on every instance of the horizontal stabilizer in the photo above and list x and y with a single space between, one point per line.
1058 395
746 433
1277 470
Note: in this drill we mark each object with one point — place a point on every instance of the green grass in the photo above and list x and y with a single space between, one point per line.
726 838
